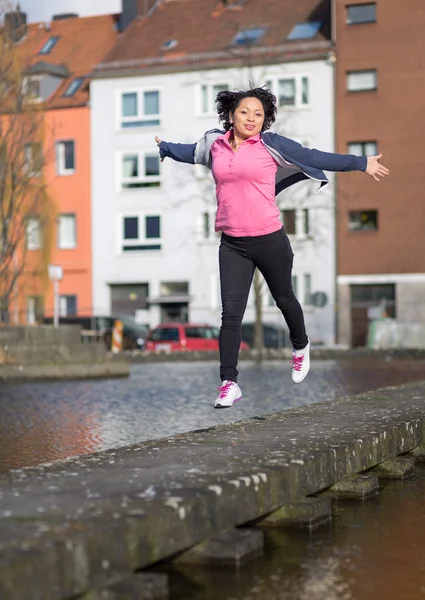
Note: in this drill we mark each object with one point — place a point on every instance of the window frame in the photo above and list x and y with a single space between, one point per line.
140 117
66 297
244 43
147 179
60 245
39 230
363 145
302 220
67 93
211 109
28 161
53 38
298 78
30 79
357 5
150 244
358 72
61 170
352 229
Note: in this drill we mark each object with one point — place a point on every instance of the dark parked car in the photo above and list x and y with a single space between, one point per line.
274 336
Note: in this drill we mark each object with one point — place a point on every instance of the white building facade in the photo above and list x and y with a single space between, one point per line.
154 249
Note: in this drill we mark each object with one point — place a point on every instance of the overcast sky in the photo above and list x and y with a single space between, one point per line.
42 10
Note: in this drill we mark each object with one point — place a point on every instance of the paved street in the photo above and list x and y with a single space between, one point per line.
48 421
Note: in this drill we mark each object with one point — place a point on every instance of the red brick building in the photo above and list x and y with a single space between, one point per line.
380 86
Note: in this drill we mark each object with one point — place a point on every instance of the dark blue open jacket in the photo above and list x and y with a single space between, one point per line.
295 163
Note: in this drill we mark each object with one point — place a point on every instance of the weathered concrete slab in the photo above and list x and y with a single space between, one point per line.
395 468
353 488
418 454
82 524
308 512
232 547
141 586
63 371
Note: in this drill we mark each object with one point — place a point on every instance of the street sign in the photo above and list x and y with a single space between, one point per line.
55 272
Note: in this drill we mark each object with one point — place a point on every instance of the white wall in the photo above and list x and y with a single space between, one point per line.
182 196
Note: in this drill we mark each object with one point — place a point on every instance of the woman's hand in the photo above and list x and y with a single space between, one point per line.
374 169
158 141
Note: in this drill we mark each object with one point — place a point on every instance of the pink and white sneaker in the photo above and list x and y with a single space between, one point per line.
230 392
300 364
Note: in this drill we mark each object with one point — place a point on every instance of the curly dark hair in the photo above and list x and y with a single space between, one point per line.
227 102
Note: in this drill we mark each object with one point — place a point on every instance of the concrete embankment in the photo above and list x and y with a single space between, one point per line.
46 352
69 529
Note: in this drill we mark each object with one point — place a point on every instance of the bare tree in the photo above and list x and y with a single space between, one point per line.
24 205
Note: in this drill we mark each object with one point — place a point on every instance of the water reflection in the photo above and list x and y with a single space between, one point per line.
371 550
41 422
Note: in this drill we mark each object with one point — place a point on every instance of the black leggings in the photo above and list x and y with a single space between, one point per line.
238 257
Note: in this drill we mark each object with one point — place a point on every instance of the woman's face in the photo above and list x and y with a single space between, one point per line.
248 118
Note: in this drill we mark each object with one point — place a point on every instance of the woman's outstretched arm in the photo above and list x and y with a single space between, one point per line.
180 152
328 161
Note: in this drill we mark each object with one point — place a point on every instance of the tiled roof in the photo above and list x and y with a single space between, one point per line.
82 43
204 30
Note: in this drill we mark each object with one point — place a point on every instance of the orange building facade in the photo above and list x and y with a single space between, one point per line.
61 55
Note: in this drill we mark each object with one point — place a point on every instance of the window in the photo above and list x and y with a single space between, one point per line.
31 89
49 45
140 109
306 221
140 170
165 334
35 309
359 81
169 45
248 36
33 233
127 298
362 148
68 305
286 93
361 13
67 232
73 87
206 226
289 221
291 91
304 31
33 159
373 293
65 157
294 280
307 289
362 220
141 233
296 222
207 96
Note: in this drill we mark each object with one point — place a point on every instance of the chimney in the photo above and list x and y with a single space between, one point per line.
131 9
15 23
64 16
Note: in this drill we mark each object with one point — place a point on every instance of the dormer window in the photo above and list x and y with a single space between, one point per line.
31 88
49 45
304 31
248 36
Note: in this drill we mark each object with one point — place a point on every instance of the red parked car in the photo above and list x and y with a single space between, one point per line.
178 337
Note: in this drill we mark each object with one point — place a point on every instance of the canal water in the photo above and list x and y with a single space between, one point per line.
371 550
42 422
